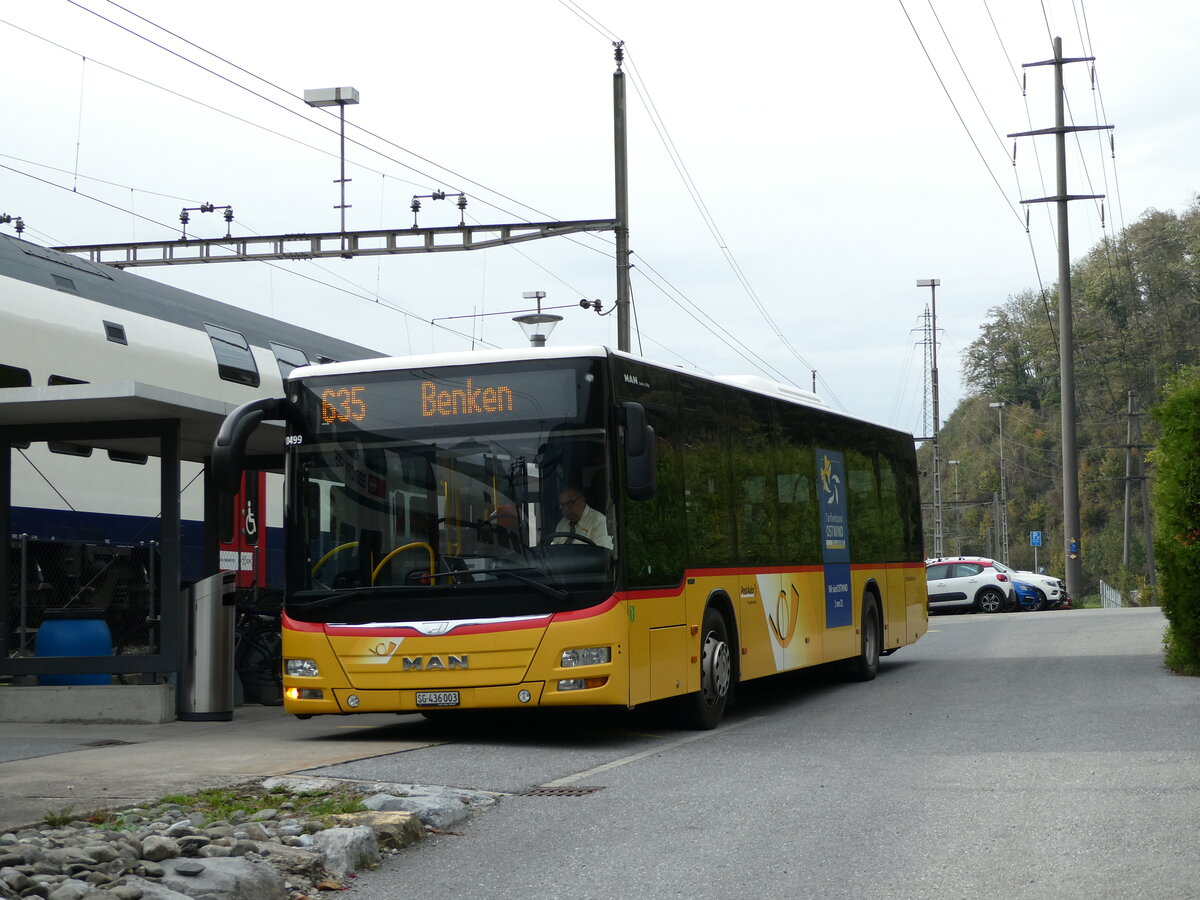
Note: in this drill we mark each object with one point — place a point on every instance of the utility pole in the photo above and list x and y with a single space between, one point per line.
1070 452
932 284
1147 511
953 463
996 523
999 407
1134 450
621 226
1128 483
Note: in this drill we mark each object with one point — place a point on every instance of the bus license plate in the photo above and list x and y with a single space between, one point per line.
437 698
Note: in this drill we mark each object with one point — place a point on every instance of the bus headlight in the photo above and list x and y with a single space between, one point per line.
302 668
586 656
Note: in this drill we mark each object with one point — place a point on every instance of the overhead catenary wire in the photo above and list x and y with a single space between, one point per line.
958 113
304 114
275 103
698 200
681 282
291 271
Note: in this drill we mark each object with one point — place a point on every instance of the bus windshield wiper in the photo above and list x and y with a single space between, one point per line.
540 586
331 598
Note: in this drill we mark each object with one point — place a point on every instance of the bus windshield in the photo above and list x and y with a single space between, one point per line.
499 506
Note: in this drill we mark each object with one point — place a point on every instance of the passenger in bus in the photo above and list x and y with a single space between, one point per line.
579 518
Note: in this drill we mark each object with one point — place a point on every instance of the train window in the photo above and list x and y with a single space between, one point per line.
63 446
235 362
69 449
288 358
11 376
64 284
137 459
115 333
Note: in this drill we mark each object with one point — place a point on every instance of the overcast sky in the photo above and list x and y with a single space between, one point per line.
823 159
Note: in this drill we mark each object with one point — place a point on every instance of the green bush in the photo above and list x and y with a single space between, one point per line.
1176 503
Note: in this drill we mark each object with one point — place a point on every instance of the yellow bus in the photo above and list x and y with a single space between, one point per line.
548 528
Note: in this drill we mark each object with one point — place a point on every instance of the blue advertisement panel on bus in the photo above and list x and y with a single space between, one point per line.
835 538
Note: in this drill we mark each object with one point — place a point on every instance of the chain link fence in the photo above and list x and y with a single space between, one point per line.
122 582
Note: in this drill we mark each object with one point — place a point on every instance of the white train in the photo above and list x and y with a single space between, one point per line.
65 320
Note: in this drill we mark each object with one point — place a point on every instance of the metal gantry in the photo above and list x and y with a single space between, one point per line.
378 242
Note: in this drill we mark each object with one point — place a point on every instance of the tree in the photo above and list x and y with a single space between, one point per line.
1136 309
1177 508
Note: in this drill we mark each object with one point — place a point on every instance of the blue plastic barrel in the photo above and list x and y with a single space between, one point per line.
74 632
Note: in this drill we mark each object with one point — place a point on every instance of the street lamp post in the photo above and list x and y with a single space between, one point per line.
932 284
999 407
340 97
537 326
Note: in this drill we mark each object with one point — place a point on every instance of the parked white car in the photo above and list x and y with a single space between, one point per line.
969 583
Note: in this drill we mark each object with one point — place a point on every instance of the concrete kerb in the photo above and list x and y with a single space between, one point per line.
438 807
46 767
138 704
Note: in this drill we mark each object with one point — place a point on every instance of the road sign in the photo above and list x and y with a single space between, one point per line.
1035 539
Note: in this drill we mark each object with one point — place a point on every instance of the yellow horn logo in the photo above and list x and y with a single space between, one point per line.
783 623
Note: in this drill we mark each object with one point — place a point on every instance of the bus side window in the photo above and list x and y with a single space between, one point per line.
655 531
712 538
893 513
862 498
799 525
754 437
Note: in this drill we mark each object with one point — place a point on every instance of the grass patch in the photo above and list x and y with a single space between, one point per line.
220 804
61 817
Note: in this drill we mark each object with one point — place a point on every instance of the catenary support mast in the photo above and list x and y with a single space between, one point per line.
621 226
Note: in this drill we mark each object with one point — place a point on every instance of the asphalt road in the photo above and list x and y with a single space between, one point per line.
1023 755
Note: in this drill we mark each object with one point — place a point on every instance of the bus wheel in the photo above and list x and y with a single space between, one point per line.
703 709
865 666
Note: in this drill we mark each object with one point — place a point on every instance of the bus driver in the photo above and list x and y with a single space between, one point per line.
579 518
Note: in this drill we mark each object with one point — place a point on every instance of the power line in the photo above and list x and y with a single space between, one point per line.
957 113
694 192
304 115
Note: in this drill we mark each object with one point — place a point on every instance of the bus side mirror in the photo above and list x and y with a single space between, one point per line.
229 448
640 463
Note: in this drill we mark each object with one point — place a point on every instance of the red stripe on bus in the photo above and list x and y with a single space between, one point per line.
296 625
598 610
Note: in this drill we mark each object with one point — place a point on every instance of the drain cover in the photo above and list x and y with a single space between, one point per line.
109 743
559 791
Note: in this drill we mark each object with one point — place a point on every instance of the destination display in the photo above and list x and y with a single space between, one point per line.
394 401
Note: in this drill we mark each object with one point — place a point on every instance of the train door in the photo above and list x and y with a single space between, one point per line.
243 539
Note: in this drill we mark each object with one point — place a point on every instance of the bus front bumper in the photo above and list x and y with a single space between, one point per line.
313 701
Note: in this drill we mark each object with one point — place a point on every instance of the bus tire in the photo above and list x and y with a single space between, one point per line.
865 666
703 709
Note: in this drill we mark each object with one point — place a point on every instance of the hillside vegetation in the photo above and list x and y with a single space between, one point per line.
1136 305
